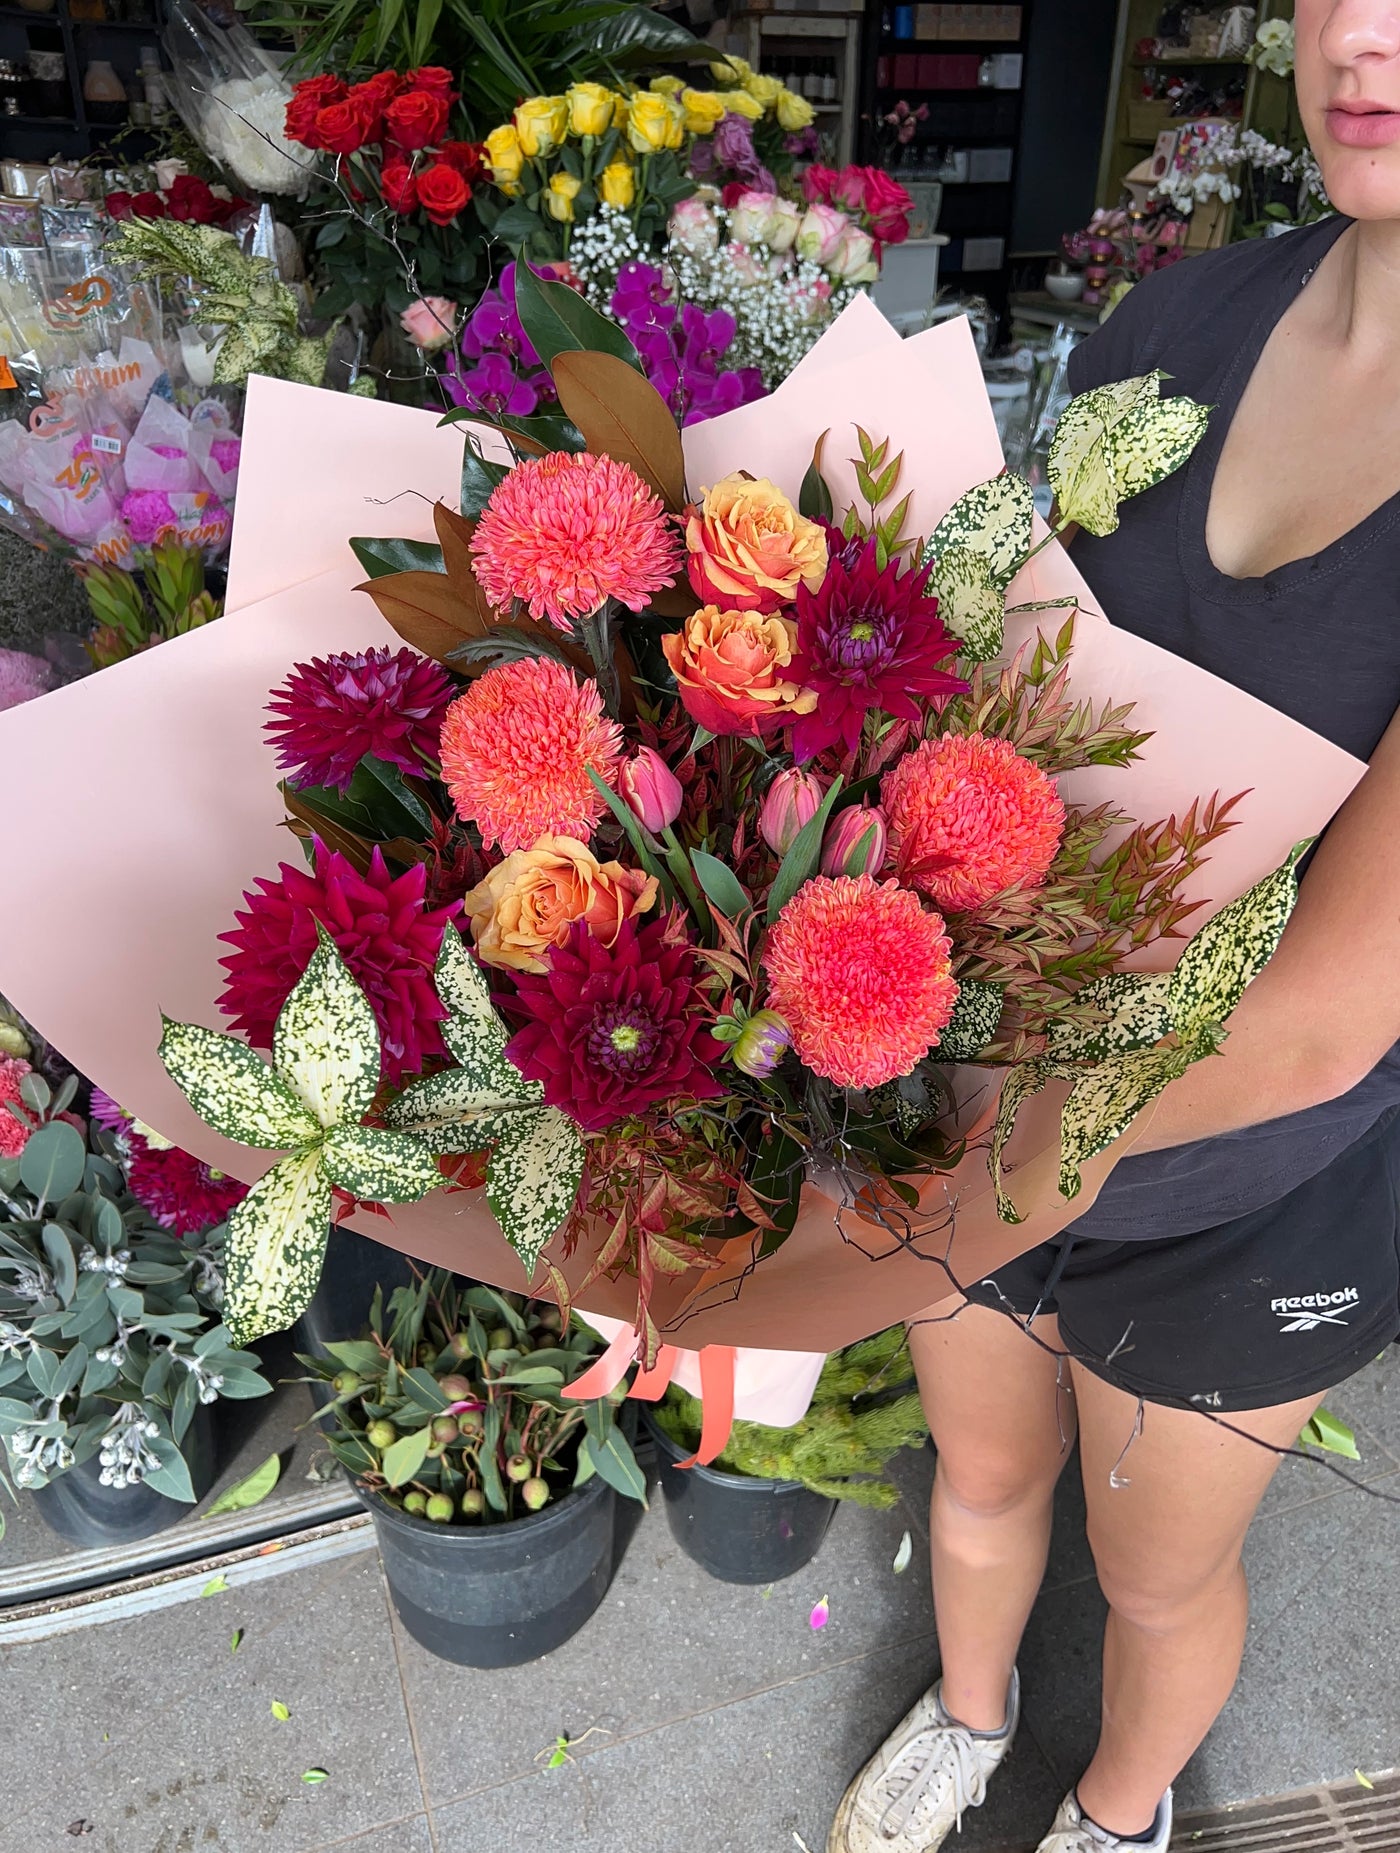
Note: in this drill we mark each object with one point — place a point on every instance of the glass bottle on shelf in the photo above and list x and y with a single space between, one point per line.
811 81
104 94
829 82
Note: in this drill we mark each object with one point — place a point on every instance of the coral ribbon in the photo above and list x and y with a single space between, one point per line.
717 1367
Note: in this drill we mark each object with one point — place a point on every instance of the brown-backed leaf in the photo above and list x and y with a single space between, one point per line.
431 611
675 601
622 415
305 823
454 534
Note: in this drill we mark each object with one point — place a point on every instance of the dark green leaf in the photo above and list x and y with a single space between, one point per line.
614 1461
799 865
479 479
557 319
379 558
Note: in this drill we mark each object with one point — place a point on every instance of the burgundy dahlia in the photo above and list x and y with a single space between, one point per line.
866 639
333 710
387 936
180 1191
614 1029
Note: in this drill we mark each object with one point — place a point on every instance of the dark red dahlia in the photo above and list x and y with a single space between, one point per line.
387 936
182 1193
335 709
615 1029
866 639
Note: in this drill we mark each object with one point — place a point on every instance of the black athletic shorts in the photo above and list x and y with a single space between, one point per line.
1277 1305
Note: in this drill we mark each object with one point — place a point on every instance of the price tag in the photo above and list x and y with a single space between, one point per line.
112 446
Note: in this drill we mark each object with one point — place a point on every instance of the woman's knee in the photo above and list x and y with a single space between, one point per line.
987 1483
1162 1595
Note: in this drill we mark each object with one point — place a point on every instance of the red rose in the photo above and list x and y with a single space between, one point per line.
399 185
189 198
731 195
311 94
433 78
148 206
339 128
469 158
370 99
817 183
418 118
118 205
442 193
887 205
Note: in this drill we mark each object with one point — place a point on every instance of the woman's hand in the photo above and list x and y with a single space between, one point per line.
1326 1007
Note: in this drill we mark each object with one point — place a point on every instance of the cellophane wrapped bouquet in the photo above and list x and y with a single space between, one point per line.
700 844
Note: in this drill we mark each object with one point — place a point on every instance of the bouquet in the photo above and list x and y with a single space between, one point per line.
697 847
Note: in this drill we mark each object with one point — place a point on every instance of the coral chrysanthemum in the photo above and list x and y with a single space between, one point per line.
615 1029
866 639
970 818
13 1133
862 975
516 750
565 532
333 710
385 934
180 1191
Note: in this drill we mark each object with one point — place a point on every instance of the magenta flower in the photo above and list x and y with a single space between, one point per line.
385 934
333 710
178 1190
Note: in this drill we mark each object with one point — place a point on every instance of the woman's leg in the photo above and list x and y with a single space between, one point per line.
1003 1431
1166 1543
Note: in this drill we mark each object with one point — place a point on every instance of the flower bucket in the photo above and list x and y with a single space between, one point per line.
740 1530
81 1509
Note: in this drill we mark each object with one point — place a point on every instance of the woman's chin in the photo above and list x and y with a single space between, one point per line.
1363 183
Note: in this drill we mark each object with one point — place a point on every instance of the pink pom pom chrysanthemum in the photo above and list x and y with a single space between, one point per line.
862 975
13 1132
333 710
516 750
970 818
564 532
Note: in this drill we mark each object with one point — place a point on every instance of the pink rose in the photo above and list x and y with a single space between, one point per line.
854 260
430 322
820 233
693 227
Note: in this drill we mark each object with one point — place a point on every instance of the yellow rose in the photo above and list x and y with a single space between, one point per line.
655 122
618 184
740 103
667 86
504 153
590 109
541 123
528 903
749 548
764 90
794 112
733 70
622 108
560 195
703 111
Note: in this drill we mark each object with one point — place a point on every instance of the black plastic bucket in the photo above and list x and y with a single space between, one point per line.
80 1508
499 1595
740 1530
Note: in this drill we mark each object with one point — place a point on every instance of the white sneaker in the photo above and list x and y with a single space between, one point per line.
1074 1832
915 1789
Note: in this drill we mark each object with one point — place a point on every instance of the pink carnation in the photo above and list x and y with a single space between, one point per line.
13 1069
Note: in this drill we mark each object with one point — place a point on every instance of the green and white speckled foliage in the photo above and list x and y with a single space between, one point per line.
1115 442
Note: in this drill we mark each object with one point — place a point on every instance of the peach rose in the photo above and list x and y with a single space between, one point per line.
528 902
749 547
729 668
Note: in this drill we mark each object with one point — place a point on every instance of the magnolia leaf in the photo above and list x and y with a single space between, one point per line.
454 537
377 1166
556 320
1023 1081
233 1090
448 1111
973 1022
1155 438
1232 948
308 821
971 602
326 1040
380 558
1106 1098
533 1178
622 415
430 611
993 520
276 1246
1131 1011
249 1491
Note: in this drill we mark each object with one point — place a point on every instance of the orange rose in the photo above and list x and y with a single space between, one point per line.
528 902
749 547
729 668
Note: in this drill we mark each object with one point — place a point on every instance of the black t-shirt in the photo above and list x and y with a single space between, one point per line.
1318 639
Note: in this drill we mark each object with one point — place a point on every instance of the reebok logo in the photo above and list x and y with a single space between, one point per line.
1305 1312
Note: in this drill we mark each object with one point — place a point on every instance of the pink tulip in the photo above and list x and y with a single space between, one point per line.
651 789
793 800
855 842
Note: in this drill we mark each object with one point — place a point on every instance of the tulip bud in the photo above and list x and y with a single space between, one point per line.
793 799
855 842
762 1044
651 789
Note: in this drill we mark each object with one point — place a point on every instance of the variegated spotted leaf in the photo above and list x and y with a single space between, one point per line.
381 1167
971 603
973 1022
233 1090
473 1031
1020 1084
276 1246
1106 1098
1230 949
907 1112
1086 490
1153 439
1131 1010
533 1177
441 1109
994 520
326 1041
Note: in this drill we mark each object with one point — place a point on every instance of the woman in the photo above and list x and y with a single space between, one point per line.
1244 1259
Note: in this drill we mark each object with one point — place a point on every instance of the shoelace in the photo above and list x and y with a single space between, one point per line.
953 1753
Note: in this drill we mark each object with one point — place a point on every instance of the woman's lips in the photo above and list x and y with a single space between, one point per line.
1355 128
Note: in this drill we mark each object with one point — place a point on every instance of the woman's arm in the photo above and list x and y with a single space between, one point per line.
1326 1007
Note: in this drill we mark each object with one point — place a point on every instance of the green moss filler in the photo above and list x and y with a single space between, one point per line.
865 1410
